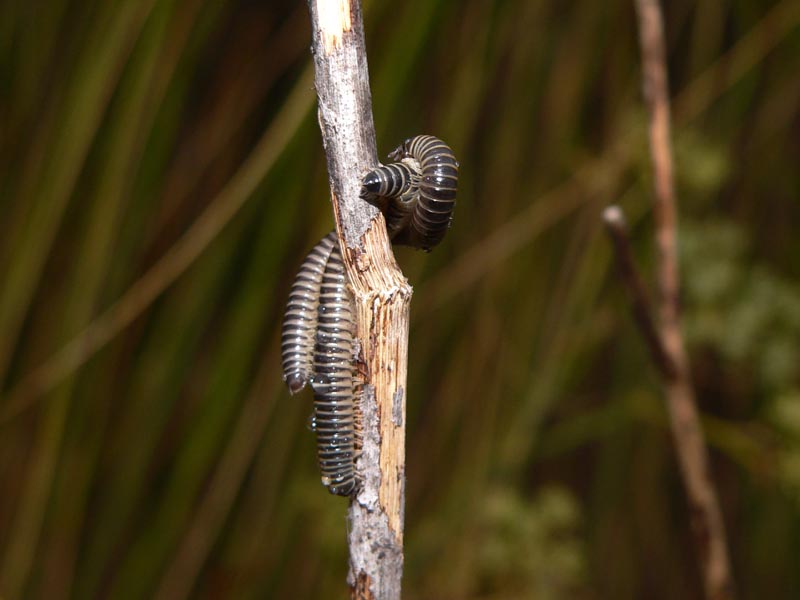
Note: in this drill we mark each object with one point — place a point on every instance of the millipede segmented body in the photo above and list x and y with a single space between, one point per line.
395 189
332 382
438 184
417 194
299 329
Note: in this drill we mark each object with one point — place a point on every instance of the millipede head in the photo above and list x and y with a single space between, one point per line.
345 488
295 382
371 184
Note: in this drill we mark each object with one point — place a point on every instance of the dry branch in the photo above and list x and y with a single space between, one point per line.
617 229
707 525
381 294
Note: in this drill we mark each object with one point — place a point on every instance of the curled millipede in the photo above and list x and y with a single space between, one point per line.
416 195
299 328
437 186
332 382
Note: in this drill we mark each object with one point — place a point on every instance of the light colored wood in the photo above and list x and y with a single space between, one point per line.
381 295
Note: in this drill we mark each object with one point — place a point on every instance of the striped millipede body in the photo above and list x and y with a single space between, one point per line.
332 382
395 189
299 328
421 188
416 195
317 347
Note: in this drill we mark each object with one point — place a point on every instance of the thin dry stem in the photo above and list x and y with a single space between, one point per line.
617 229
706 517
381 294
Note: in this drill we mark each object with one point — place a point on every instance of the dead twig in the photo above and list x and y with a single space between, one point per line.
617 229
381 295
706 517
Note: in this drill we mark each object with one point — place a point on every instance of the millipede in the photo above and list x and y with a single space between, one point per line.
299 328
437 184
416 195
332 382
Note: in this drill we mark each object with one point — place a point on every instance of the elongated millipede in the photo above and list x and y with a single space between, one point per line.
417 196
299 328
332 382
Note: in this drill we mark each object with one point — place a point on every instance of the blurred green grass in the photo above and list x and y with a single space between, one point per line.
161 176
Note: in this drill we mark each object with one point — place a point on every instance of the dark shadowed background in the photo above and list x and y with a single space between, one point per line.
162 176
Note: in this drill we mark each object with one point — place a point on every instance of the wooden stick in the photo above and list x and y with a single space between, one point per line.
382 298
706 517
617 229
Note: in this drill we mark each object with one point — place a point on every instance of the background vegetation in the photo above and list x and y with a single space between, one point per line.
161 177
